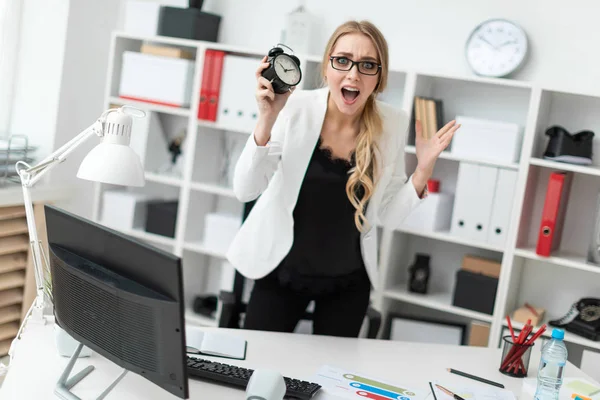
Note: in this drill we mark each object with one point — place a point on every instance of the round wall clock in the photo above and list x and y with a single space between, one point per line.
496 48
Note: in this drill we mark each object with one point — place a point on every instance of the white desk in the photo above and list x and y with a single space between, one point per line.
37 366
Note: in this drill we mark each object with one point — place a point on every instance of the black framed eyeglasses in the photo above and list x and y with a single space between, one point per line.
345 64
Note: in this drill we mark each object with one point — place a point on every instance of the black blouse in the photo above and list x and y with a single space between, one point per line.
325 254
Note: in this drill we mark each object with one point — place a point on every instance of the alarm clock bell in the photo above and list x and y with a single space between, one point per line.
284 70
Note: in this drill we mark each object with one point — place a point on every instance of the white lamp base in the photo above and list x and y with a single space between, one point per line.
66 345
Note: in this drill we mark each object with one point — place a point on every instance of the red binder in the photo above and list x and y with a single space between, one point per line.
215 84
204 86
553 214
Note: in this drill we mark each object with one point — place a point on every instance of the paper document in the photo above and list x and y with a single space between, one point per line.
474 391
209 343
338 383
570 385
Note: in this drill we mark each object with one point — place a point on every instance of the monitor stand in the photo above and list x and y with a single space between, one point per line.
64 384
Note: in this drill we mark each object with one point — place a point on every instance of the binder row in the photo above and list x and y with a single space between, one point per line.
227 92
211 85
483 203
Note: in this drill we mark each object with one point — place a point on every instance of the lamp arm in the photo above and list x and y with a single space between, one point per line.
29 177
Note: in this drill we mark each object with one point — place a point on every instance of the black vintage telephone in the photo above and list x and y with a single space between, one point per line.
582 319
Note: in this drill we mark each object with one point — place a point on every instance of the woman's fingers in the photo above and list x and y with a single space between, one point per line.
263 83
266 93
263 65
448 131
445 140
446 128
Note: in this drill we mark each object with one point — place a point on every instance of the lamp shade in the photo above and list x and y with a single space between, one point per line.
114 164
113 161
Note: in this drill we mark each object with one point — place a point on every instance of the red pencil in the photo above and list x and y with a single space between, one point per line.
512 332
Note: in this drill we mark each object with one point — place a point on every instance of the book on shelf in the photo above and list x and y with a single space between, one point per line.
430 112
166 51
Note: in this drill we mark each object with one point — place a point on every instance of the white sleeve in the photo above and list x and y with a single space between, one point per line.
400 196
257 164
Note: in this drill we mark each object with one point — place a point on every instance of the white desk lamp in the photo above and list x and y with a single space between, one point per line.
112 162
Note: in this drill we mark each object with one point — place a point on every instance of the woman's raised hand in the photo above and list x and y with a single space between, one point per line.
270 103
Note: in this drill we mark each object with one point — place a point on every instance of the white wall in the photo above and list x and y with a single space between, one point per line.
430 35
10 31
90 24
39 71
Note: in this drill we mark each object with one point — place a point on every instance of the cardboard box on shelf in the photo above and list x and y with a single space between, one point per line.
526 312
479 334
167 51
481 265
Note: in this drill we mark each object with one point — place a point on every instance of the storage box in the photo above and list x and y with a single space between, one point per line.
156 79
162 217
479 334
123 209
487 140
481 265
433 214
220 230
188 23
525 313
475 292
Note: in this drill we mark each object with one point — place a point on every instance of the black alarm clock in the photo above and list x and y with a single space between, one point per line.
284 71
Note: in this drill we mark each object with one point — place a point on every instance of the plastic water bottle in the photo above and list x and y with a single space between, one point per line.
552 366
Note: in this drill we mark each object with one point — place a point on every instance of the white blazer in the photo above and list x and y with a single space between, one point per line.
275 173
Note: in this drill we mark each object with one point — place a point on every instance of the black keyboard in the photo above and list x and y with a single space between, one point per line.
237 376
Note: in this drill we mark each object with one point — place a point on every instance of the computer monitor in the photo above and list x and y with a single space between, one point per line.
120 297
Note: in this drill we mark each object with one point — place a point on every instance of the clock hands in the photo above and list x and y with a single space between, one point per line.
509 42
483 39
285 70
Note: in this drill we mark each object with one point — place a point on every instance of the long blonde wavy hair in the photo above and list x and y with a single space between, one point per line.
362 175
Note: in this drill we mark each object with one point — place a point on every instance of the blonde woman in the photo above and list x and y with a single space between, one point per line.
326 165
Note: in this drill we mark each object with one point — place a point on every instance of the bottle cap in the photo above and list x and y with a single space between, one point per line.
558 334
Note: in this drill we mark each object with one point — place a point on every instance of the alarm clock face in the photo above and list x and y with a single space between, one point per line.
287 70
496 48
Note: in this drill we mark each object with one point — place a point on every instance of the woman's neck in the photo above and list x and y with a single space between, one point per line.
342 122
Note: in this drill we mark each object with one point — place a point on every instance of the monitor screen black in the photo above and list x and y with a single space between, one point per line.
120 297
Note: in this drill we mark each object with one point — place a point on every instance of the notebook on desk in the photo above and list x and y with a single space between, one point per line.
217 344
474 391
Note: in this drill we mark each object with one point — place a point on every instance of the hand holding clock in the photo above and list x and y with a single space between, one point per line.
269 104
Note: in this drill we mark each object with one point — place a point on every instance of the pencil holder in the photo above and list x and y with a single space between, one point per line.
515 358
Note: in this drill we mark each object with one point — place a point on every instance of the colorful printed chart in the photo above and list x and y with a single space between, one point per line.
353 385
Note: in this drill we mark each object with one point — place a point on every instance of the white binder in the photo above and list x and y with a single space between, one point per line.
156 78
237 108
475 190
502 207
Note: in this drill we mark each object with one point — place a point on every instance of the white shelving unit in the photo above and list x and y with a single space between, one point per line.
554 283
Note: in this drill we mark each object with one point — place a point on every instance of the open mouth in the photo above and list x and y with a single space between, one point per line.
350 94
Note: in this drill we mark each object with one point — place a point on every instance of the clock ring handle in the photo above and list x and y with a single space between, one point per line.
283 45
